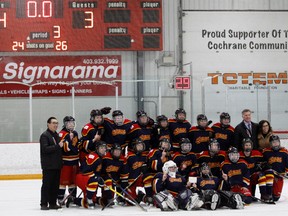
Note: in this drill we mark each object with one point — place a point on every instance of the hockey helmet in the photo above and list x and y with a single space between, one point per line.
138 145
245 145
233 154
142 117
170 168
69 123
185 145
101 148
118 117
205 169
177 112
214 146
275 142
116 151
93 114
164 144
224 115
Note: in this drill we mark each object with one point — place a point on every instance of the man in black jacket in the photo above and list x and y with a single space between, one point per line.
51 163
246 129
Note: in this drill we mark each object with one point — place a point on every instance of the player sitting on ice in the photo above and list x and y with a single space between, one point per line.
179 196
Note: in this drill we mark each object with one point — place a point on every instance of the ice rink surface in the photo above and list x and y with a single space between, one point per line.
22 197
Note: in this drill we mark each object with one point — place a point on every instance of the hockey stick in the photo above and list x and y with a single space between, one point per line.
124 191
65 198
110 203
279 174
263 201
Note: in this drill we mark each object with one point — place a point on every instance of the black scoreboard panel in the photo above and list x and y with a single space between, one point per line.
80 25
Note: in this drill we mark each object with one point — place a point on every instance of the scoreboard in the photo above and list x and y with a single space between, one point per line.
80 25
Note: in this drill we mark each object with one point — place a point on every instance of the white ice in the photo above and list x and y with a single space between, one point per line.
22 197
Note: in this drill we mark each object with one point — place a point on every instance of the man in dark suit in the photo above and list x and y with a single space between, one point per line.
51 164
246 129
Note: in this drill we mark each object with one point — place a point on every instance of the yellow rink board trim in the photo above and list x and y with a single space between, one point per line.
20 176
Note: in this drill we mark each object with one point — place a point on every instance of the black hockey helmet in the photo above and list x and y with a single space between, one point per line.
116 150
247 140
141 113
162 141
185 145
117 113
67 119
214 146
272 140
95 112
225 115
100 144
180 110
161 118
136 145
233 154
205 169
201 117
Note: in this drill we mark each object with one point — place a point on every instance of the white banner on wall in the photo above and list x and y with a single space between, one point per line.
239 59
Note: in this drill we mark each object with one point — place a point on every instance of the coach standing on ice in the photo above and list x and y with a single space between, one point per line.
51 163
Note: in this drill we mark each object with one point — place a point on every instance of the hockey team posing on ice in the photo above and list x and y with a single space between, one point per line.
176 165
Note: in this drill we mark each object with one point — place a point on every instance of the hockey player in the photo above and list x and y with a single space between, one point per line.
116 130
235 174
171 190
142 128
223 131
89 178
160 130
264 178
277 158
137 166
185 160
114 172
207 187
156 158
92 132
70 155
179 128
213 157
200 135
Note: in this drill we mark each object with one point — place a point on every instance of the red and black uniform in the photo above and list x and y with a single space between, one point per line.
178 130
200 138
278 160
70 157
214 161
263 178
187 163
116 134
88 178
86 142
114 171
159 133
155 164
224 135
144 132
238 178
135 162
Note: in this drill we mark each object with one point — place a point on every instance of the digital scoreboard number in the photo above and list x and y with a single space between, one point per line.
66 25
182 82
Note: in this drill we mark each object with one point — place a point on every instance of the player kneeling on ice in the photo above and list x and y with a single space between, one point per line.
179 195
206 185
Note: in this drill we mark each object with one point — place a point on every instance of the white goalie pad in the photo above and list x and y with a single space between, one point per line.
166 201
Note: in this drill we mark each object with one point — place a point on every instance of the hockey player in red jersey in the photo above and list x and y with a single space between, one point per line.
185 159
236 175
224 132
89 178
277 158
160 130
179 128
264 178
114 172
92 132
201 134
213 157
70 155
116 129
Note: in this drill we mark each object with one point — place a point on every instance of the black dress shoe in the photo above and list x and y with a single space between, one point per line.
54 207
44 207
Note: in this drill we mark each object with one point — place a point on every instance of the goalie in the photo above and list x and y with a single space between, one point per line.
179 196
